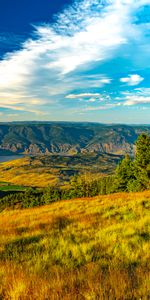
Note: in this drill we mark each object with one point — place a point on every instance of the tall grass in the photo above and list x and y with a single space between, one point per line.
91 248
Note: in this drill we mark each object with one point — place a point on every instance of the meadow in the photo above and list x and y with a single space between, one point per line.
89 248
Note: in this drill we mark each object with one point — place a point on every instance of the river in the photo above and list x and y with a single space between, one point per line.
5 158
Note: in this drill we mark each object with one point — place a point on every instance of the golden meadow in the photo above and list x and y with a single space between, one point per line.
91 248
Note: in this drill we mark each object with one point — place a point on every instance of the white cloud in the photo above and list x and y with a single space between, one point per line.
83 95
143 91
97 108
133 100
92 100
132 79
106 80
89 34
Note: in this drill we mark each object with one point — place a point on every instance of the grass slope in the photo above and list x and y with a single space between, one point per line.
93 248
24 172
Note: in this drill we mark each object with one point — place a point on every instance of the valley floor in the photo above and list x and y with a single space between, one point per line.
92 248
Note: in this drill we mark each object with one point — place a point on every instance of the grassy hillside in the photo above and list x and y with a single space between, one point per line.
26 172
92 248
40 171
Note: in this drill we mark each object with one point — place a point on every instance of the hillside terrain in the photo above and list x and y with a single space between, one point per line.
68 138
91 248
42 170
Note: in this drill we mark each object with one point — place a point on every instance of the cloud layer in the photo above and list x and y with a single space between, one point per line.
74 59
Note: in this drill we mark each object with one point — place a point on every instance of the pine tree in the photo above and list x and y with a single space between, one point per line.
135 175
124 174
143 151
142 161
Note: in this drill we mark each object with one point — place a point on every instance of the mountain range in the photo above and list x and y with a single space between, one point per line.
68 138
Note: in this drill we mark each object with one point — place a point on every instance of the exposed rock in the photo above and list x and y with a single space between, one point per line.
69 138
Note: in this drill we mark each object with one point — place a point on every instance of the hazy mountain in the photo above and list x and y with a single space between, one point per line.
68 138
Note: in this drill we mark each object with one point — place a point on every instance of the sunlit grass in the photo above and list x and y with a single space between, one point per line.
19 172
92 248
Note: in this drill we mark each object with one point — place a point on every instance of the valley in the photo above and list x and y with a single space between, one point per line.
43 170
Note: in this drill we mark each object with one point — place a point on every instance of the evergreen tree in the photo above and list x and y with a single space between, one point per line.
142 161
124 174
135 175
143 151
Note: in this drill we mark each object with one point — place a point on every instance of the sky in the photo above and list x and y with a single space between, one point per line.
68 60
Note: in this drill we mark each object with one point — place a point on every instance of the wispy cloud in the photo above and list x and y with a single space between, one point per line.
99 107
135 99
138 96
84 95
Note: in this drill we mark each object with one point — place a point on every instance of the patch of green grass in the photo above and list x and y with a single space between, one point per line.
11 188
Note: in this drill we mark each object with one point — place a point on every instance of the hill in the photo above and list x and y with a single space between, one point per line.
68 138
42 170
92 248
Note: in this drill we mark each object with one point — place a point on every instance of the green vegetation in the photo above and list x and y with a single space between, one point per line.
134 175
9 187
79 186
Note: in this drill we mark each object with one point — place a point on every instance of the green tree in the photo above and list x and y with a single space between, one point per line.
135 175
124 174
143 151
142 161
47 195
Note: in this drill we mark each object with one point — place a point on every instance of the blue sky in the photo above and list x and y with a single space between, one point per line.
84 60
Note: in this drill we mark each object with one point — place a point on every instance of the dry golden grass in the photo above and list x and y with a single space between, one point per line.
20 172
92 248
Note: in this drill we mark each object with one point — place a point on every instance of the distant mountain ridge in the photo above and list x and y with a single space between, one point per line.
68 138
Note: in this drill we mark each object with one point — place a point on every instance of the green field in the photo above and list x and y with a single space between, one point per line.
8 187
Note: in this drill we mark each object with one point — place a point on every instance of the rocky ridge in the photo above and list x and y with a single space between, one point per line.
69 138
